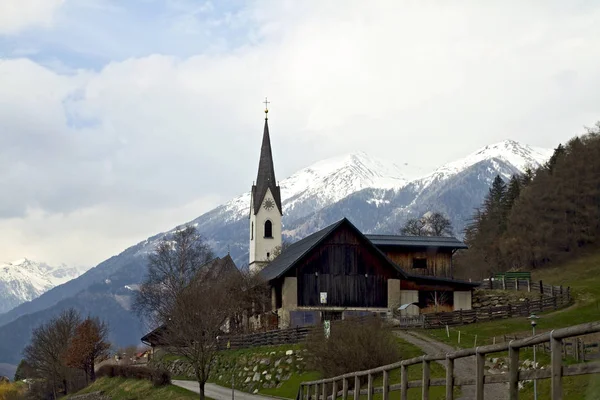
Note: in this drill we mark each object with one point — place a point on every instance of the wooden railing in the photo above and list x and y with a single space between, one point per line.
269 338
328 389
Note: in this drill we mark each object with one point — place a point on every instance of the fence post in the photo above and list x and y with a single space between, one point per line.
307 390
324 390
517 284
300 392
491 283
503 282
386 385
425 384
370 387
316 391
479 374
345 389
449 378
552 290
541 288
334 390
529 285
513 383
404 385
556 363
356 387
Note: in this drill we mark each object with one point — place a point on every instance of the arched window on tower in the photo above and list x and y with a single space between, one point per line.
268 229
252 232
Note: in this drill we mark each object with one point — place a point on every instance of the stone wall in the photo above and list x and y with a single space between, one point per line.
252 371
495 298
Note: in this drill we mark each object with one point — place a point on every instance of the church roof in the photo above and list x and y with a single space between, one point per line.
266 174
416 241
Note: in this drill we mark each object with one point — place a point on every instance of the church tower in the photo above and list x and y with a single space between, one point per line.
265 208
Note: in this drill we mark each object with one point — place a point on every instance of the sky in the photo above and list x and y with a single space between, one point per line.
122 119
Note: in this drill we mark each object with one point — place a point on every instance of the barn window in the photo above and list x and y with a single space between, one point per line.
419 263
268 229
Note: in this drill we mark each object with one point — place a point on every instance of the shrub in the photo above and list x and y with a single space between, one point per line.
158 377
353 345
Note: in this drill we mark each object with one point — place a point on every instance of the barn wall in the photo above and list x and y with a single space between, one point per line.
439 263
345 267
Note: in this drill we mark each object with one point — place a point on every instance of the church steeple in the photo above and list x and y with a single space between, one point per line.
265 178
265 208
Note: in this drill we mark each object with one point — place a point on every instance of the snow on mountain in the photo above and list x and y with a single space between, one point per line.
520 156
329 181
24 280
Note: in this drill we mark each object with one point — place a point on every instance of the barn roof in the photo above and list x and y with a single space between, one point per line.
416 241
296 251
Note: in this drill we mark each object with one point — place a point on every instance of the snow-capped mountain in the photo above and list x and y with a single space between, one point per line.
24 280
377 196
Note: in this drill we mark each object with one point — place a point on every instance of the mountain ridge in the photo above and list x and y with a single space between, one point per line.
24 280
377 196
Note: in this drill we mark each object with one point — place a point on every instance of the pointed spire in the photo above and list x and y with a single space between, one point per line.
265 178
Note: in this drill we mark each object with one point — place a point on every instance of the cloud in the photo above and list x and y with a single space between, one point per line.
109 155
17 15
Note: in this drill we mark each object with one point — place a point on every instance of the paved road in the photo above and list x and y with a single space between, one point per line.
217 392
463 367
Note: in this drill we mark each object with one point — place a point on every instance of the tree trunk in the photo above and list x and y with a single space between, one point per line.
201 390
92 371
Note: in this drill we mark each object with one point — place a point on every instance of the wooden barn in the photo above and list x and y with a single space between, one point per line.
340 272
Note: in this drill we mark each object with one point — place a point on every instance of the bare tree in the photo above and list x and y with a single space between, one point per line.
194 298
431 224
414 227
49 343
171 268
438 224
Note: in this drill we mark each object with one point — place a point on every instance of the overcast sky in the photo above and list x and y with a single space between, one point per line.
120 119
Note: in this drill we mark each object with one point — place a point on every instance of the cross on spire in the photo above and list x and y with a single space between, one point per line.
266 108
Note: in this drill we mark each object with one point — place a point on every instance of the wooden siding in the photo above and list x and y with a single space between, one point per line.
351 272
439 263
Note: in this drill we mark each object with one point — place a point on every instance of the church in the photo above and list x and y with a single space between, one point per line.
340 272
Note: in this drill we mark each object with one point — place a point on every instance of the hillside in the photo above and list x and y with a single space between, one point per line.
377 196
541 218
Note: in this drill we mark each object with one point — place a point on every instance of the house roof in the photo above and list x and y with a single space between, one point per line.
417 241
265 178
296 251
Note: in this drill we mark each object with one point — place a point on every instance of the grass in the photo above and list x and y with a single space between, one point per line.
583 276
415 372
289 389
137 389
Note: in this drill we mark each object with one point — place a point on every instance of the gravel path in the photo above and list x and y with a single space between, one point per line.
217 392
463 367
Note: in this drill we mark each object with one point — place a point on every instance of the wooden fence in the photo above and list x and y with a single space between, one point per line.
521 284
329 389
552 298
521 309
268 338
